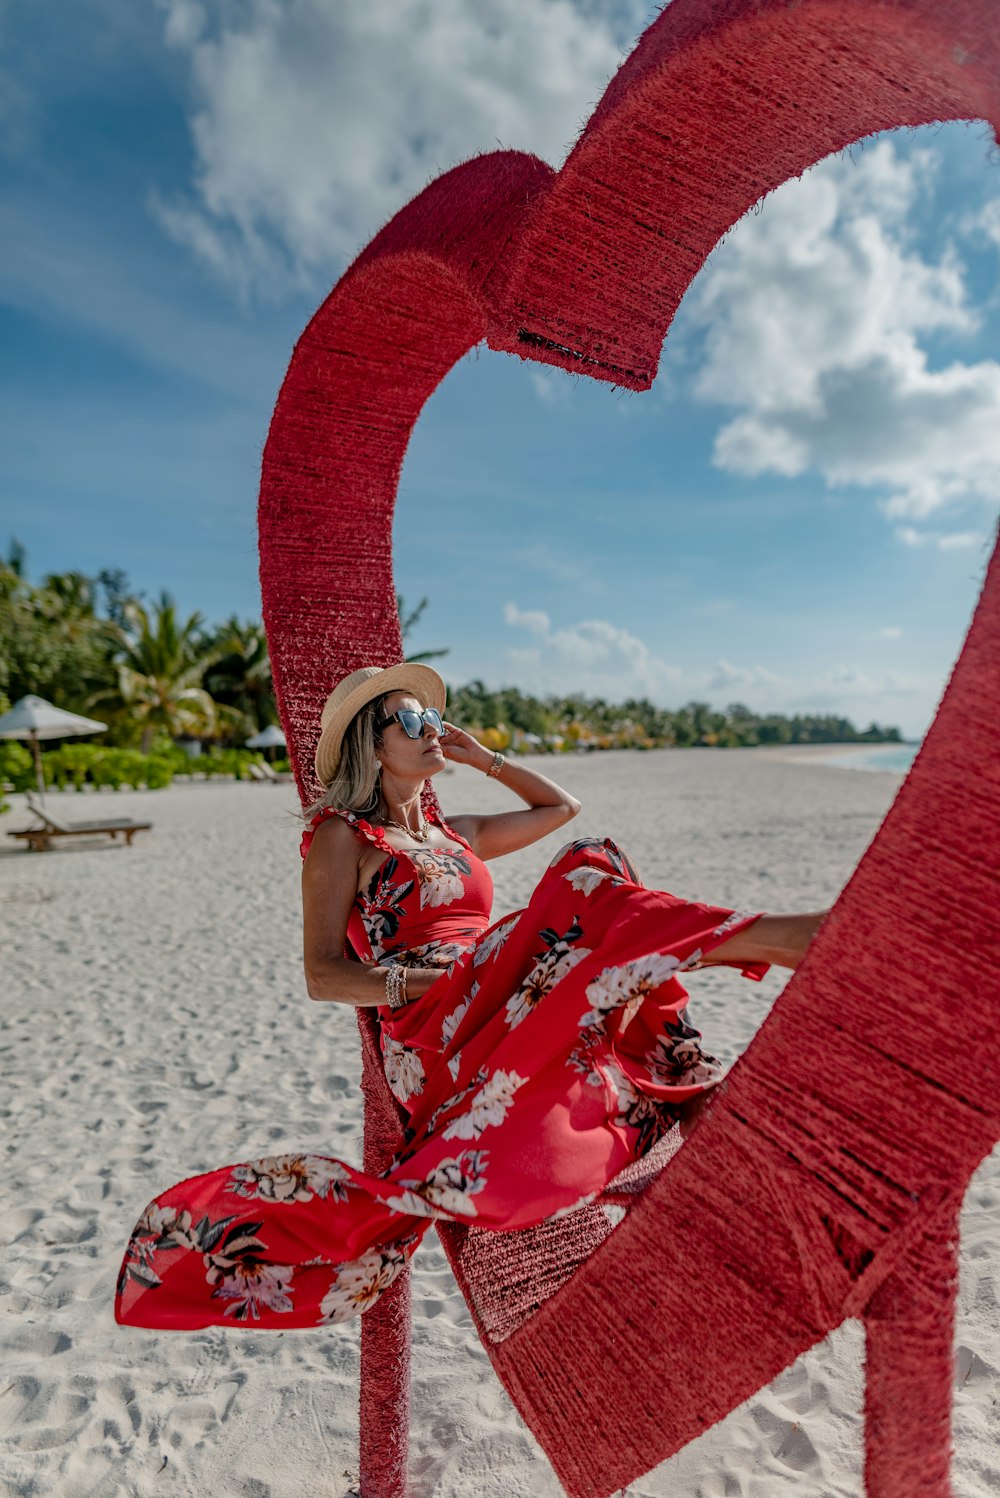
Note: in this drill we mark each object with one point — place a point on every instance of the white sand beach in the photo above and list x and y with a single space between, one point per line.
155 1024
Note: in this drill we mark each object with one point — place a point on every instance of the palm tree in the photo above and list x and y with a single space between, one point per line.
241 677
52 640
406 624
160 668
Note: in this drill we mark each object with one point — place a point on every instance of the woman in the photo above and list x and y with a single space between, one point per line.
535 1056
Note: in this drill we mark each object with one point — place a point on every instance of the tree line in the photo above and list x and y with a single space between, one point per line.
94 646
91 645
591 722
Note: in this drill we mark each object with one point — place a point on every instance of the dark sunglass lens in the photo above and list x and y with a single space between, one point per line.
412 726
433 719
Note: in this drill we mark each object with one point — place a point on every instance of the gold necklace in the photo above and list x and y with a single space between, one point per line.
421 833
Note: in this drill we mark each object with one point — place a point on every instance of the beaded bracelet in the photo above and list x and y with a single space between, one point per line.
499 761
395 985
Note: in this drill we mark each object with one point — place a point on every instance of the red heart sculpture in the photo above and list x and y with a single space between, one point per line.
816 1189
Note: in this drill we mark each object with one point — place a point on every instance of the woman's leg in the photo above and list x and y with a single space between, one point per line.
779 939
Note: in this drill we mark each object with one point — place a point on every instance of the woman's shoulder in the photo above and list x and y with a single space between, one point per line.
338 830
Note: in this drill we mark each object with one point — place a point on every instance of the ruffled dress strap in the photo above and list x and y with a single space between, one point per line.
374 835
434 815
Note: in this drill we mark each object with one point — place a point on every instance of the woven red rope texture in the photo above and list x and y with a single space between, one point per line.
833 1192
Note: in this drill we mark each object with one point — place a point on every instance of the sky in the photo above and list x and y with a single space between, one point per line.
797 516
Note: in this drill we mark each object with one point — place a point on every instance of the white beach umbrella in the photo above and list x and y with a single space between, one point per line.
270 737
33 718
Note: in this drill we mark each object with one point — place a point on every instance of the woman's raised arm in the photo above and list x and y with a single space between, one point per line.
549 806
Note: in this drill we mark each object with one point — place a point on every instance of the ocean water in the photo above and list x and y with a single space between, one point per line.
895 757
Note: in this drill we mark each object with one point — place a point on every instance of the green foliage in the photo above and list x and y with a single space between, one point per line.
159 772
408 622
160 666
223 762
78 765
239 679
17 768
71 764
592 723
53 641
16 764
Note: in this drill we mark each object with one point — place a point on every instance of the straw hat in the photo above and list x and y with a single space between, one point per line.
351 694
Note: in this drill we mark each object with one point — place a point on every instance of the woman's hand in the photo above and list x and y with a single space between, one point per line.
461 747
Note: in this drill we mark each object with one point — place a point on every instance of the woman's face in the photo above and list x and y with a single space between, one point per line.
406 757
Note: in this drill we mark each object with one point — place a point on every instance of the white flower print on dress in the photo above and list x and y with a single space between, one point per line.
454 1019
635 1109
440 874
290 1178
550 968
583 1058
409 1202
488 1108
561 853
626 987
159 1229
678 1060
732 920
253 1287
404 1070
166 1224
359 1283
493 941
605 848
446 1190
449 1103
586 880
545 975
382 907
576 1206
681 1063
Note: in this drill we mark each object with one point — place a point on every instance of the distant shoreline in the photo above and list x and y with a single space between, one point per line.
833 755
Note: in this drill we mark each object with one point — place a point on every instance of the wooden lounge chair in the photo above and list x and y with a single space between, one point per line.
39 837
272 776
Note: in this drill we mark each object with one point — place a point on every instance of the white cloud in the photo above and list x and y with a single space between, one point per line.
315 122
593 656
960 540
727 677
185 22
551 387
948 541
910 537
812 317
890 632
986 222
600 659
531 619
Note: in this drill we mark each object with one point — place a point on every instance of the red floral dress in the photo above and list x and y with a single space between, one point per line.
553 1050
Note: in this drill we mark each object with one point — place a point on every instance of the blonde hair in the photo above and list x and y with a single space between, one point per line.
356 784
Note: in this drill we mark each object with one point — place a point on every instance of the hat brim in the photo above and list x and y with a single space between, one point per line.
409 676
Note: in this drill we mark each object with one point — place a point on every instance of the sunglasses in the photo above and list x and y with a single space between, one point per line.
413 722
